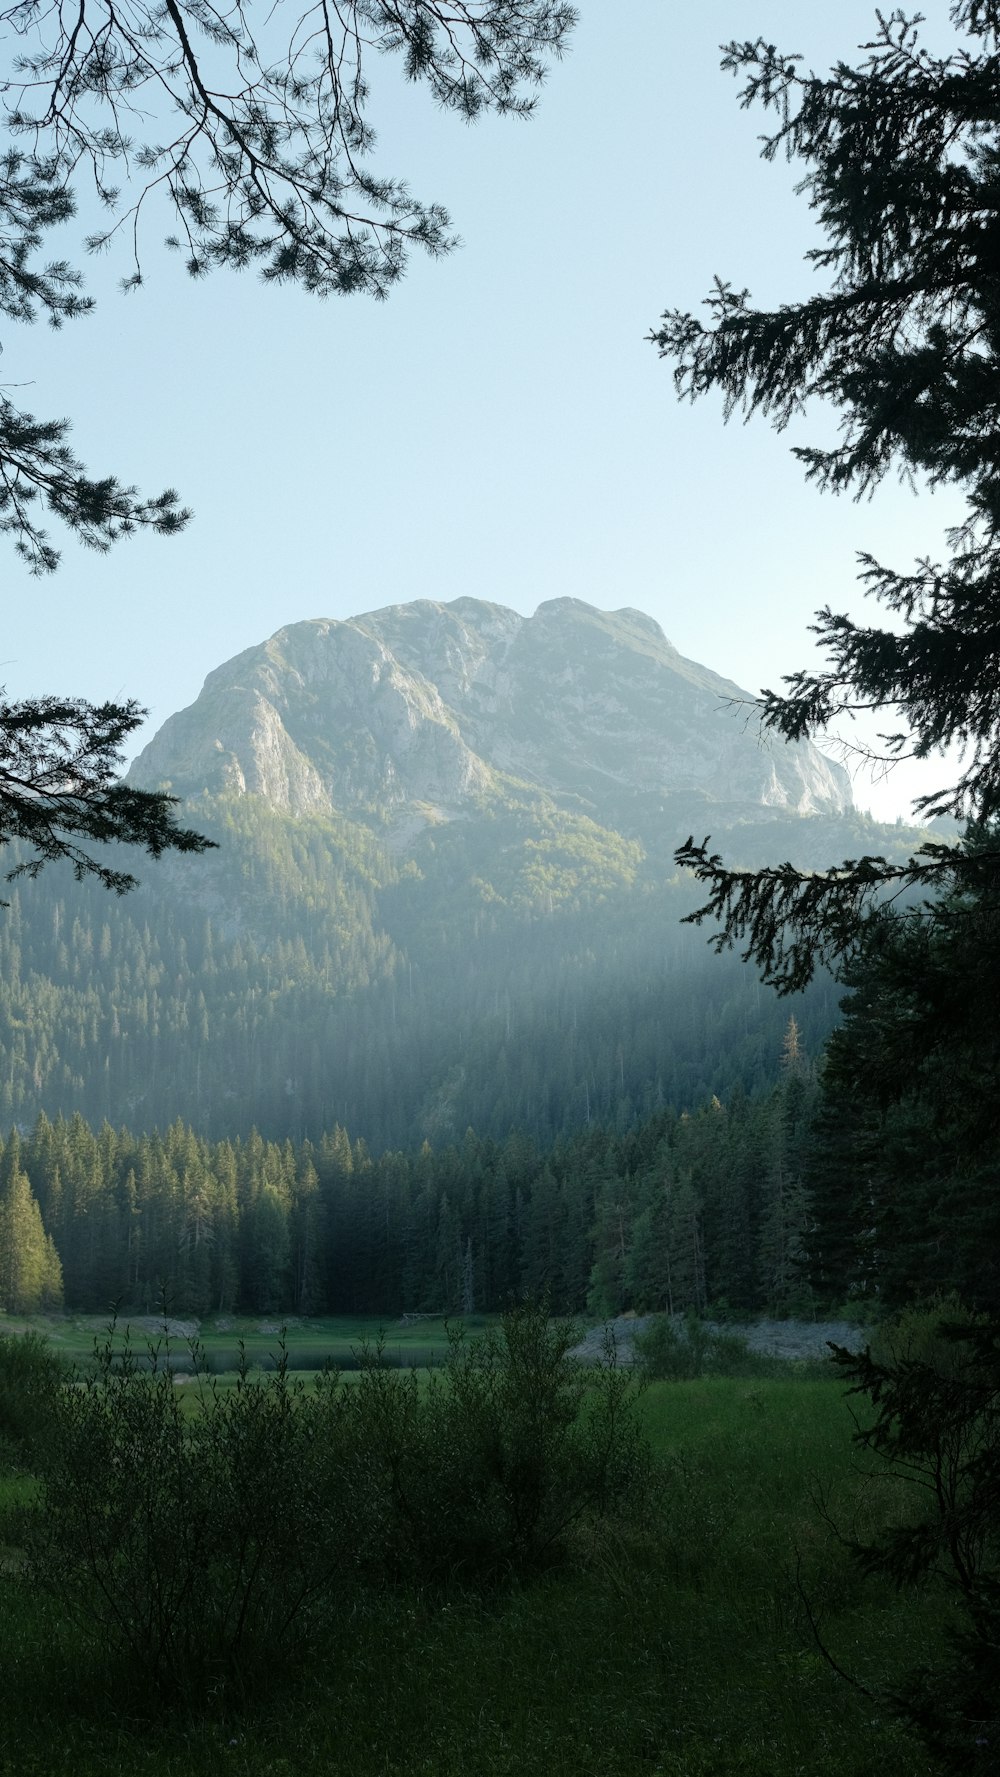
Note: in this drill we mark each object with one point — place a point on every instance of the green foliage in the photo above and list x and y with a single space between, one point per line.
193 1549
905 1169
202 1549
934 1385
30 1271
677 1213
31 1379
528 1450
497 1466
916 1334
679 1643
675 1349
60 760
672 1351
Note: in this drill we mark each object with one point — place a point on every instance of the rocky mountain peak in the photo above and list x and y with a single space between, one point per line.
422 710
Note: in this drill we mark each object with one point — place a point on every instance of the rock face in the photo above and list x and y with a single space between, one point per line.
422 712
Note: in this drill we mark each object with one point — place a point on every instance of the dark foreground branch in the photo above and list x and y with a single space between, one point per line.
61 792
790 922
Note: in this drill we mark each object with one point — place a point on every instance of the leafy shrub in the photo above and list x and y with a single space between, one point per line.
914 1335
674 1350
521 1448
493 1465
192 1547
31 1376
201 1549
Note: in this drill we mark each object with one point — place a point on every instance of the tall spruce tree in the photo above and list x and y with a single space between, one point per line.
901 159
902 168
30 1272
786 1210
906 1165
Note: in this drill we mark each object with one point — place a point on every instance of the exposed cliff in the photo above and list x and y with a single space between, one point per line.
422 712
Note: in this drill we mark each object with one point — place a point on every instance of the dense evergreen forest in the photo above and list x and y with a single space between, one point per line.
683 1211
528 972
254 1084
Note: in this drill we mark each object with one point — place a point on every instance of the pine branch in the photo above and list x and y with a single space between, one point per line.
263 162
790 922
60 792
901 159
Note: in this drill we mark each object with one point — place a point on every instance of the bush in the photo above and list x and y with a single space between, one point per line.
529 1448
914 1335
675 1350
201 1549
31 1376
192 1547
493 1466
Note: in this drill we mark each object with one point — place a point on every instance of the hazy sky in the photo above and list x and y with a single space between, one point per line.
499 427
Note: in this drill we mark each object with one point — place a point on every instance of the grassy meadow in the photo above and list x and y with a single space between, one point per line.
676 1643
310 1343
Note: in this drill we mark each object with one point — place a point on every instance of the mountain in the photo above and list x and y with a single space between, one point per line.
444 894
426 712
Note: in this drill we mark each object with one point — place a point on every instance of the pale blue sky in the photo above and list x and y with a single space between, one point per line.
499 427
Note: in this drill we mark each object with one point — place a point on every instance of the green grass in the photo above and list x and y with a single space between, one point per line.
311 1343
679 1648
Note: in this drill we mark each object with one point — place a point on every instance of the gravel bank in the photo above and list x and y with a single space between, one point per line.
778 1338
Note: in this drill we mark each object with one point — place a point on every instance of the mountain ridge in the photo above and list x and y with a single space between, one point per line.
442 707
444 894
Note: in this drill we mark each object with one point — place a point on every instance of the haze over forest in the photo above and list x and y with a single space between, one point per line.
427 1028
444 894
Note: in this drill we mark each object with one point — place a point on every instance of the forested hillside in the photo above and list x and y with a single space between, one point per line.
444 894
532 977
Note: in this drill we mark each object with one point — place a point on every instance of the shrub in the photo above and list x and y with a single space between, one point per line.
493 1466
31 1376
192 1547
531 1446
200 1549
675 1350
914 1335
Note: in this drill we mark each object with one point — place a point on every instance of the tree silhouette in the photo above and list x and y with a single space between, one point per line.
902 159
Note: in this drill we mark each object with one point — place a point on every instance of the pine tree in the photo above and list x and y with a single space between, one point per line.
30 1273
447 1279
648 1283
901 160
266 1279
543 1242
60 788
612 1239
685 1245
786 1205
468 1284
907 1164
732 1211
